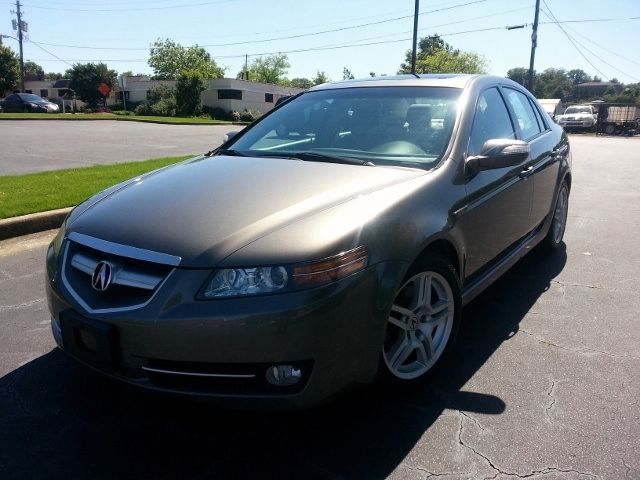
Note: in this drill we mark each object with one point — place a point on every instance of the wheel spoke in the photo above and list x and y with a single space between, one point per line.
404 314
402 350
423 297
442 306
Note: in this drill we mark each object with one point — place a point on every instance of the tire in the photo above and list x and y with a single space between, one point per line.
610 129
553 240
417 338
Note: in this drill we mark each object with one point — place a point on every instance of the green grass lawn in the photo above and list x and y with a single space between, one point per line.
38 192
112 116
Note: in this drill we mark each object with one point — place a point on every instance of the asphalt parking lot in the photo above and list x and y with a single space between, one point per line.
545 382
36 145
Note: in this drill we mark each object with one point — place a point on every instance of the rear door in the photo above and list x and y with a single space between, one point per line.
543 167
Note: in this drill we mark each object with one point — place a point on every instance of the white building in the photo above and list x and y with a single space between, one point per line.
229 94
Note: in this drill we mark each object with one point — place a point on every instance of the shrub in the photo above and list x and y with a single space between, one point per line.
123 113
143 109
249 115
235 116
160 92
216 113
188 89
164 108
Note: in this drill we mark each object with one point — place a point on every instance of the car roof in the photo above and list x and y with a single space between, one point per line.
451 80
423 80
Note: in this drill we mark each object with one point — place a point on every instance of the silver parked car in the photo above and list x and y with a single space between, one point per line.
331 242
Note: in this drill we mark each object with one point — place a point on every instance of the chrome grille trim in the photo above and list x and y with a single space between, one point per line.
84 304
121 275
125 250
197 374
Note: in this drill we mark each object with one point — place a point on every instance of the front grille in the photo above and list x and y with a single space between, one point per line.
133 281
220 378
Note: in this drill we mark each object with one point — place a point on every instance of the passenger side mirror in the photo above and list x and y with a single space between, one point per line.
499 153
228 136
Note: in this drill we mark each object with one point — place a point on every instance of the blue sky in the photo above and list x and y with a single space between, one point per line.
119 32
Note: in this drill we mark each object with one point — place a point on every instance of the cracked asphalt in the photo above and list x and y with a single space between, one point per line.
545 382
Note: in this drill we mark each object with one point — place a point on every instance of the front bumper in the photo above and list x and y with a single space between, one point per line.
332 334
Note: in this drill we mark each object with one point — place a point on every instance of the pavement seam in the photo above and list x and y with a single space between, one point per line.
582 350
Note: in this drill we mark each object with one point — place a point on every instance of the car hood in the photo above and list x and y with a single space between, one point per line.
205 209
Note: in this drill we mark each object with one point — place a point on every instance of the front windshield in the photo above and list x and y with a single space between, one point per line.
578 110
402 126
29 97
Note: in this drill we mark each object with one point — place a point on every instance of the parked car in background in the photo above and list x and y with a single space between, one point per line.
578 117
333 241
28 102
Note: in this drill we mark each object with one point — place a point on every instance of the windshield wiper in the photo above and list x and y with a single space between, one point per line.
321 157
230 152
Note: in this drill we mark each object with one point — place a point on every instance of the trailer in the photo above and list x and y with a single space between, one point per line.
618 119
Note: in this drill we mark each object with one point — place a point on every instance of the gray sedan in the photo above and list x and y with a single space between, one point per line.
329 244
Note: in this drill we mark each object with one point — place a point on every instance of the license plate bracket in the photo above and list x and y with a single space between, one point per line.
92 341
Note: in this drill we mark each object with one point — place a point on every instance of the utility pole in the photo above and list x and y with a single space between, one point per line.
415 37
19 15
246 67
534 44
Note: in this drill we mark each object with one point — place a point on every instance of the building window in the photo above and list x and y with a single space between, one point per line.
229 94
44 92
268 97
28 91
62 92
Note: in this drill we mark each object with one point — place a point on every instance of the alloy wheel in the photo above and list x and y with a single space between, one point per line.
419 325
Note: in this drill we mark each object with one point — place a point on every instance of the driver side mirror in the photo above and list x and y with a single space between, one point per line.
498 153
228 136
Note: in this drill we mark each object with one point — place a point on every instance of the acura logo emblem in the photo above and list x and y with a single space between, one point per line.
101 278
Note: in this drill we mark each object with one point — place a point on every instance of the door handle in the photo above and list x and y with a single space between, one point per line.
526 172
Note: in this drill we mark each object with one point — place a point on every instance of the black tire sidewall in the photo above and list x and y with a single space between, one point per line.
549 241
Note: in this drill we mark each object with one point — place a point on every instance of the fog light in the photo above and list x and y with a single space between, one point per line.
283 375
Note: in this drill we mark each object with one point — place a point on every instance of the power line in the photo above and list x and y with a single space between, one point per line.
551 16
613 52
53 55
288 37
135 9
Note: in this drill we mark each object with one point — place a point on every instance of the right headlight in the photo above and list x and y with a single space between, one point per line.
243 281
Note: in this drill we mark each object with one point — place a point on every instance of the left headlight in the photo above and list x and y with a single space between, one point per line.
240 282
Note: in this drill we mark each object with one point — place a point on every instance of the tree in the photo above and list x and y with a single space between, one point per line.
520 75
346 74
301 83
321 77
169 59
269 69
53 76
437 56
190 85
578 76
9 69
86 77
33 70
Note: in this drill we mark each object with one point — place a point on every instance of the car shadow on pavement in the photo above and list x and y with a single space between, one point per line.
60 420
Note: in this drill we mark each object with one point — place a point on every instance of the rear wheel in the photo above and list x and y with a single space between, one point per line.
559 222
423 321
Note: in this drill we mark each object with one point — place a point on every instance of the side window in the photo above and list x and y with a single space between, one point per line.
491 120
541 122
524 113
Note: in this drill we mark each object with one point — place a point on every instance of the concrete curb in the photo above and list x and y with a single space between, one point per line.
32 223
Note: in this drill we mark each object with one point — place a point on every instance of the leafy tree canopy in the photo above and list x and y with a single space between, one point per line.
169 59
32 69
270 69
301 83
437 56
321 77
86 77
9 69
346 74
53 76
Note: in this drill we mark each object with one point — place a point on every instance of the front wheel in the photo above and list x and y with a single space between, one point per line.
423 321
